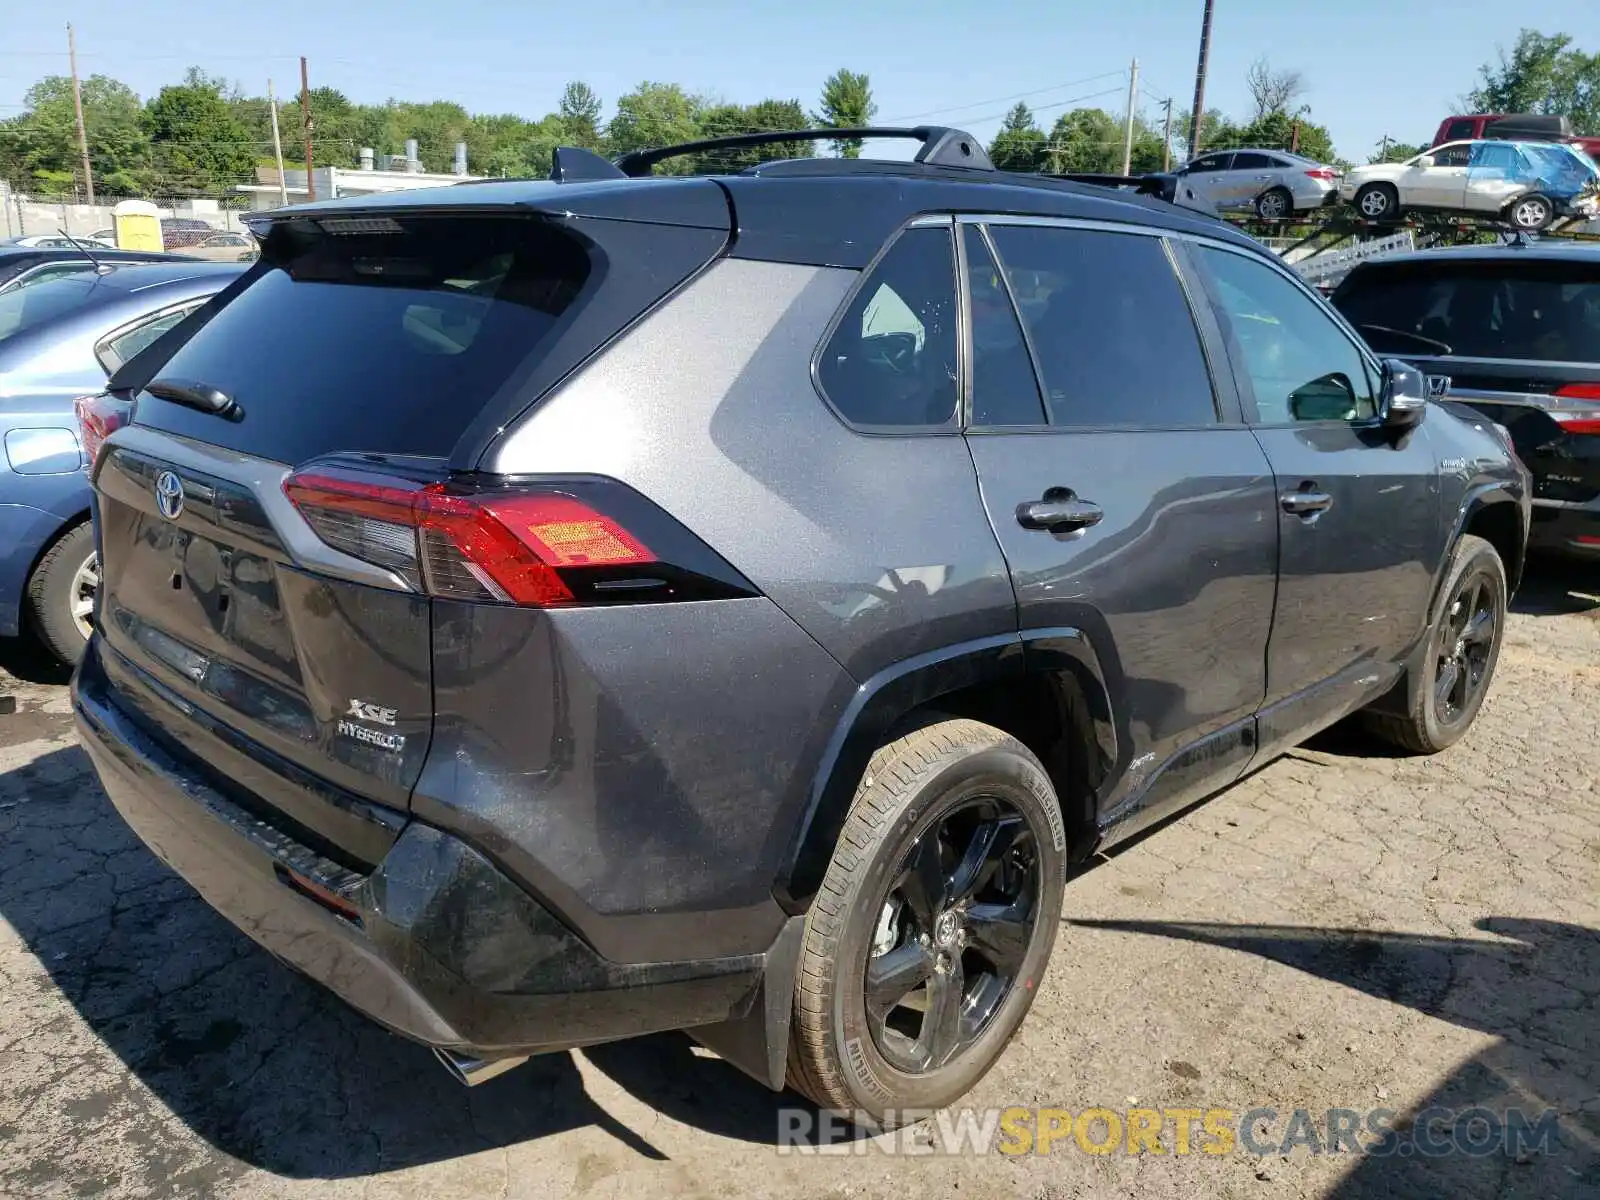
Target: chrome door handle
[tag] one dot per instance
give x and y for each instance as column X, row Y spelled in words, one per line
column 1059, row 512
column 1305, row 503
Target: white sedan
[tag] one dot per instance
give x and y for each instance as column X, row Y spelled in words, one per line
column 1527, row 184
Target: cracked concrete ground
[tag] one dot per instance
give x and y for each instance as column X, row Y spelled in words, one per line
column 1342, row 930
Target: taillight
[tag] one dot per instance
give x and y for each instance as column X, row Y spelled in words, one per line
column 1581, row 421
column 1326, row 174
column 98, row 418
column 542, row 545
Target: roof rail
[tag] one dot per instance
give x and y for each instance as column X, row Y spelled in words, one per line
column 1162, row 184
column 941, row 147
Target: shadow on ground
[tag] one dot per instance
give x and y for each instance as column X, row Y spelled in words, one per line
column 1532, row 984
column 264, row 1065
column 26, row 658
column 1555, row 587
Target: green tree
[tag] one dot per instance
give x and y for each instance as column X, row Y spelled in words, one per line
column 1217, row 132
column 580, row 115
column 766, row 116
column 847, row 103
column 1393, row 152
column 197, row 144
column 39, row 150
column 655, row 114
column 437, row 126
column 1544, row 73
column 1283, row 131
column 1085, row 141
column 1019, row 146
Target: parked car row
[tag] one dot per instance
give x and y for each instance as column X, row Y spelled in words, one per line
column 1528, row 184
column 177, row 234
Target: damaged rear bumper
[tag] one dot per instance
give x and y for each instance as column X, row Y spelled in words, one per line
column 435, row 942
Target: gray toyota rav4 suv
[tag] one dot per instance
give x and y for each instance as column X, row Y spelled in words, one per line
column 547, row 612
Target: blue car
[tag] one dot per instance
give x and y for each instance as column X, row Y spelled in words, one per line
column 60, row 339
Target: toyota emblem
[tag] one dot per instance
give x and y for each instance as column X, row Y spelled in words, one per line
column 169, row 495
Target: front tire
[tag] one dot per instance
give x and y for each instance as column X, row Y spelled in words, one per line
column 927, row 940
column 61, row 593
column 1463, row 647
column 1378, row 202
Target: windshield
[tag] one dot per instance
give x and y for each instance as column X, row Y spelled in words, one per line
column 1543, row 311
column 24, row 308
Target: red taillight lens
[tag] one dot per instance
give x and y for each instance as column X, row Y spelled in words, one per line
column 1579, row 424
column 504, row 546
column 1327, row 174
column 98, row 418
column 1579, row 391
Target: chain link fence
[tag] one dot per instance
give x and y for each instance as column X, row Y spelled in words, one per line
column 27, row 214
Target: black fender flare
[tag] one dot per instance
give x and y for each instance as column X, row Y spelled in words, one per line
column 1479, row 496
column 883, row 701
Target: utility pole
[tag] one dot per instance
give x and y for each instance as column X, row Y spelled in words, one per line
column 1199, row 113
column 277, row 146
column 1133, row 103
column 1383, row 150
column 77, row 103
column 1166, row 140
column 305, row 124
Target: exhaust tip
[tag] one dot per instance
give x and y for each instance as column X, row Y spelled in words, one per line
column 473, row 1071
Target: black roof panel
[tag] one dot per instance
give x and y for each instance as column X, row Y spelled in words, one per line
column 828, row 212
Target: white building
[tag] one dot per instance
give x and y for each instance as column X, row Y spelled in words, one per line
column 402, row 172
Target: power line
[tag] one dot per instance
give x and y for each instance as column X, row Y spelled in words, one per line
column 939, row 112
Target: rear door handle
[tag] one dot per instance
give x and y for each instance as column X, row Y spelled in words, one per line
column 1306, row 502
column 1059, row 512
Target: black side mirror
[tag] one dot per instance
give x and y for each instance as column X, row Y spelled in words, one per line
column 1405, row 395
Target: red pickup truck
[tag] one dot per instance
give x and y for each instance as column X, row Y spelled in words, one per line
column 1522, row 127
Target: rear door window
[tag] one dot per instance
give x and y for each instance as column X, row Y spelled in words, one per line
column 1529, row 310
column 1005, row 390
column 1110, row 325
column 389, row 335
column 114, row 351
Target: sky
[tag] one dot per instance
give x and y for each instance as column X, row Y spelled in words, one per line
column 1373, row 67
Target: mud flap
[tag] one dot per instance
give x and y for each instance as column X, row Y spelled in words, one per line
column 758, row 1042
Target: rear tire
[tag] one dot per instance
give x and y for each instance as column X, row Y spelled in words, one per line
column 1458, row 664
column 1378, row 202
column 1276, row 204
column 60, row 586
column 1531, row 213
column 895, row 903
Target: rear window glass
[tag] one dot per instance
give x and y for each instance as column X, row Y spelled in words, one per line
column 1547, row 312
column 23, row 308
column 389, row 341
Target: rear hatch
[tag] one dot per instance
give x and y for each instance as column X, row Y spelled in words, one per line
column 1519, row 338
column 287, row 649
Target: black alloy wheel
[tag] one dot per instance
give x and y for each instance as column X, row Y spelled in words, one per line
column 1465, row 648
column 953, row 933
